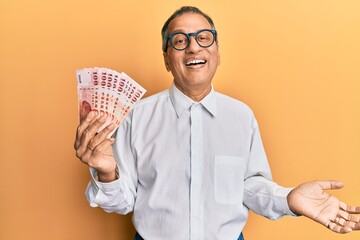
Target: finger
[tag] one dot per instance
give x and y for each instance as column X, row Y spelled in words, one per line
column 344, row 214
column 351, row 225
column 356, row 227
column 344, row 230
column 101, row 136
column 88, row 134
column 349, row 209
column 331, row 184
column 341, row 221
column 349, row 217
column 101, row 149
column 82, row 126
column 354, row 218
column 94, row 127
column 343, row 206
column 352, row 209
column 84, row 156
column 104, row 145
column 338, row 228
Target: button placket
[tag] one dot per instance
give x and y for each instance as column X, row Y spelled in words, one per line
column 195, row 184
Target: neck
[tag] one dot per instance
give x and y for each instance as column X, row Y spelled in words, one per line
column 195, row 93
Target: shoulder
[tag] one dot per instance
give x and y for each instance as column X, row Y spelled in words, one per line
column 153, row 99
column 231, row 104
column 146, row 106
column 236, row 110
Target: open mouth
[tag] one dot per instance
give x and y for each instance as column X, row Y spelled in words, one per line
column 195, row 62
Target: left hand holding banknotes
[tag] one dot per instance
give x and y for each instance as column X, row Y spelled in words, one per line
column 105, row 97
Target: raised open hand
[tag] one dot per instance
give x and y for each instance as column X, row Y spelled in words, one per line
column 310, row 200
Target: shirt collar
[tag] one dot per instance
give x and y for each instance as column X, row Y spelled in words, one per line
column 181, row 102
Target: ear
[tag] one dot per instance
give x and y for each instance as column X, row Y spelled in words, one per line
column 166, row 61
column 218, row 54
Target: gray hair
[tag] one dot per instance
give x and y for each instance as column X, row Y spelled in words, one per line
column 179, row 12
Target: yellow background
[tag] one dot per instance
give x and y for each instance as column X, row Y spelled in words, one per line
column 295, row 63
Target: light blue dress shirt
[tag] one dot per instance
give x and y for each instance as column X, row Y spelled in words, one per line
column 190, row 170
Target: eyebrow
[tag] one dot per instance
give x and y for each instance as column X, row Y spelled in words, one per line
column 178, row 30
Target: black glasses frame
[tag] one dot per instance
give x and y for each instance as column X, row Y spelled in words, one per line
column 188, row 35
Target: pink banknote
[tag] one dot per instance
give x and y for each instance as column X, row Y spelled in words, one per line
column 107, row 92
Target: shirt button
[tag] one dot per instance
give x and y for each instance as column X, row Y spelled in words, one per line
column 196, row 218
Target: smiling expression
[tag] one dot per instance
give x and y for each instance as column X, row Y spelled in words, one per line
column 194, row 67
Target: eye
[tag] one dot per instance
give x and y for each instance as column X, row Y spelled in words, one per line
column 203, row 37
column 179, row 39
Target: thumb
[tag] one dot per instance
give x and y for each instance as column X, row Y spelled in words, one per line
column 331, row 184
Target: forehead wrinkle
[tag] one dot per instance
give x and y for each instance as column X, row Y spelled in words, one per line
column 178, row 30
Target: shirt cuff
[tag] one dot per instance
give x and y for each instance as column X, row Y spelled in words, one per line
column 280, row 200
column 108, row 186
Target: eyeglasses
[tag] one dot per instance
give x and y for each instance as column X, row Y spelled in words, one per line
column 180, row 41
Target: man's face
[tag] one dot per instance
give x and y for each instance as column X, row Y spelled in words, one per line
column 189, row 75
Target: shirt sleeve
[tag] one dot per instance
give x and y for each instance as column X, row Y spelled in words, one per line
column 117, row 196
column 261, row 194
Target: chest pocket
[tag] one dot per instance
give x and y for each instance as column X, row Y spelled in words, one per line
column 229, row 179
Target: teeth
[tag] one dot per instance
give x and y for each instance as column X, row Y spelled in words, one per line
column 195, row 61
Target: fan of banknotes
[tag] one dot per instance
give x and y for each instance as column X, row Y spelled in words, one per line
column 107, row 92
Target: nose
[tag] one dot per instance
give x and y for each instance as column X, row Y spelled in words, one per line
column 193, row 46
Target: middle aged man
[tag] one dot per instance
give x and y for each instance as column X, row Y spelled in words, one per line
column 190, row 162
